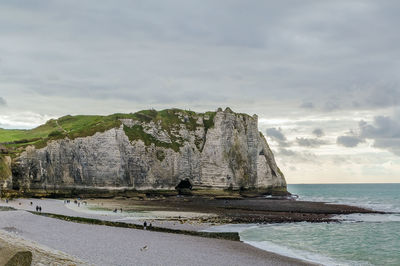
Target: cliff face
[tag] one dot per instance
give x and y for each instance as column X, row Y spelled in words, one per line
column 213, row 150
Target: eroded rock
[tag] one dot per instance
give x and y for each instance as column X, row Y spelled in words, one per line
column 220, row 150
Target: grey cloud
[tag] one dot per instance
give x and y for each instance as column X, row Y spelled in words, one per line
column 296, row 157
column 276, row 134
column 383, row 96
column 203, row 50
column 286, row 152
column 382, row 127
column 349, row 141
column 318, row 132
column 385, row 131
column 340, row 160
column 331, row 106
column 308, row 142
column 3, row 102
column 307, row 105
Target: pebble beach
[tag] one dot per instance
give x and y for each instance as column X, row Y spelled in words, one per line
column 104, row 245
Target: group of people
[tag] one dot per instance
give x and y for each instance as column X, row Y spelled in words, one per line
column 145, row 225
column 116, row 210
column 76, row 202
column 38, row 208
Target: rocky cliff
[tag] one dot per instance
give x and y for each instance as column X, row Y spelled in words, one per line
column 150, row 150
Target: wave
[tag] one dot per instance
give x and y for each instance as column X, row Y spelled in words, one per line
column 371, row 218
column 371, row 204
column 301, row 254
column 278, row 249
column 230, row 228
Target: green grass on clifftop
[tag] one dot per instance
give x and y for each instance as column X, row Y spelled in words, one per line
column 71, row 127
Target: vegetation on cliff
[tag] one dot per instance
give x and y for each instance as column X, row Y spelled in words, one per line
column 4, row 169
column 229, row 160
column 136, row 132
column 72, row 127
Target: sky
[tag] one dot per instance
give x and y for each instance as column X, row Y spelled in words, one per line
column 322, row 76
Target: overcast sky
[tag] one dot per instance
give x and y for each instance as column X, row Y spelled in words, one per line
column 323, row 76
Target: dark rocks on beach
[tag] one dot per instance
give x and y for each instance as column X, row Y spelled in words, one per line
column 22, row 258
column 253, row 210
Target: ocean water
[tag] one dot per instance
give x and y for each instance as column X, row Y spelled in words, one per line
column 360, row 239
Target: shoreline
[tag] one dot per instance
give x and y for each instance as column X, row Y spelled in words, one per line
column 186, row 249
column 274, row 208
column 232, row 211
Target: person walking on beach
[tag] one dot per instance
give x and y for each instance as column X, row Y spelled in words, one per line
column 144, row 225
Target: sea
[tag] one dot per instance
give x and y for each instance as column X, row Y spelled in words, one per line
column 359, row 239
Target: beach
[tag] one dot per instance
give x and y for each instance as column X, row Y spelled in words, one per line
column 11, row 244
column 110, row 245
column 104, row 245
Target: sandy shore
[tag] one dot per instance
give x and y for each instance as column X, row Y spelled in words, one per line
column 101, row 245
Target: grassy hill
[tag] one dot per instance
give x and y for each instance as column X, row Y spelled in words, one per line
column 15, row 140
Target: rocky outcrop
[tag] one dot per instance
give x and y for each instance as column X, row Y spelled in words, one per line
column 17, row 251
column 222, row 150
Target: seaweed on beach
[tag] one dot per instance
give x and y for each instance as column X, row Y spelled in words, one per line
column 4, row 208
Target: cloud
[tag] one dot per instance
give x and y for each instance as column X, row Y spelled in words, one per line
column 286, row 152
column 318, row 132
column 383, row 95
column 203, row 53
column 3, row 102
column 302, row 64
column 292, row 156
column 276, row 134
column 385, row 131
column 331, row 106
column 307, row 105
column 22, row 120
column 349, row 141
column 308, row 142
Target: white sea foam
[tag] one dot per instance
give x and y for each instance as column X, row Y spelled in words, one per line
column 278, row 249
column 364, row 238
column 230, row 228
column 372, row 218
column 357, row 202
column 300, row 254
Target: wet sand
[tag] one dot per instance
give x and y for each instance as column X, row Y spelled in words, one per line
column 251, row 210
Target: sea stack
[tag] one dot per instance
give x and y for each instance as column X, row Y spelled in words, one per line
column 147, row 150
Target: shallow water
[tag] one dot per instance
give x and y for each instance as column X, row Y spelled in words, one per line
column 361, row 239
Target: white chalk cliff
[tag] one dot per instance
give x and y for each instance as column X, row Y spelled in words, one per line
column 218, row 150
